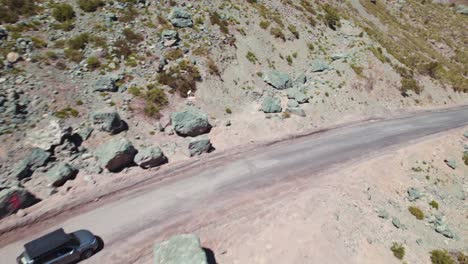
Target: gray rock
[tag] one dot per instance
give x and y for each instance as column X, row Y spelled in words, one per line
column 444, row 230
column 25, row 168
column 396, row 222
column 462, row 9
column 85, row 132
column 452, row 163
column 319, row 66
column 60, row 173
column 199, row 145
column 180, row 17
column 338, row 56
column 382, row 213
column 169, row 34
column 271, row 105
column 190, row 122
column 278, row 80
column 298, row 95
column 3, row 34
column 180, row 249
column 301, row 79
column 150, row 157
column 296, row 111
column 419, row 241
column 108, row 121
column 14, row 198
column 293, row 103
column 465, row 134
column 49, row 136
column 414, row 194
column 106, row 84
column 116, row 154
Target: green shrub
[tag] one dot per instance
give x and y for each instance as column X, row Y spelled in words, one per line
column 441, row 257
column 289, row 59
column 174, row 54
column 228, row 110
column 66, row 113
column 416, row 212
column 78, row 42
column 332, row 18
column 12, row 10
column 465, row 157
column 294, row 31
column 277, row 33
column 135, row 90
column 93, row 63
column 264, row 24
column 65, row 26
column 73, row 55
column 434, row 204
column 157, row 97
column 409, row 84
column 213, row 69
column 181, row 78
column 132, row 37
column 251, row 57
column 358, row 70
column 398, row 250
column 63, row 12
column 38, row 42
column 215, row 19
column 122, row 48
column 90, row 5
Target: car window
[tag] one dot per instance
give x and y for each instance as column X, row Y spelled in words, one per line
column 64, row 251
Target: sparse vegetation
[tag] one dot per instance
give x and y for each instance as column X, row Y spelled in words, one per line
column 277, row 33
column 12, row 10
column 216, row 19
column 332, row 18
column 63, row 12
column 416, row 212
column 181, row 78
column 358, row 70
column 131, row 36
column 264, row 24
column 398, row 250
column 294, row 31
column 93, row 63
column 465, row 157
column 228, row 110
column 213, row 69
column 66, row 113
column 174, row 54
column 409, row 84
column 90, row 5
column 78, row 42
column 434, row 204
column 251, row 57
column 441, row 257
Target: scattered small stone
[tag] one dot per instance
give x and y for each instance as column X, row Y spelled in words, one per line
column 13, row 57
column 382, row 213
column 452, row 163
column 396, row 222
column 414, row 194
column 180, row 17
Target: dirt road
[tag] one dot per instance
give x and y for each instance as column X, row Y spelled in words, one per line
column 130, row 225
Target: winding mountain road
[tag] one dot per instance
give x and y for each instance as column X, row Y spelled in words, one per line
column 143, row 215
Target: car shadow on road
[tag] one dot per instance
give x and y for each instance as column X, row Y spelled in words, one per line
column 210, row 256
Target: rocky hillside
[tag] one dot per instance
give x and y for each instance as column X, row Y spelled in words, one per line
column 91, row 87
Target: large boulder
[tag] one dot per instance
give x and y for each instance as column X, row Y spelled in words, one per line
column 298, row 95
column 150, row 157
column 180, row 249
column 271, row 105
column 60, row 173
column 49, row 136
column 199, row 145
column 319, row 66
column 180, row 17
column 190, row 122
column 108, row 121
column 35, row 159
column 278, row 80
column 14, row 198
column 116, row 154
column 106, row 84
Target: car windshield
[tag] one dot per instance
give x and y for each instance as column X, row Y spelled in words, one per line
column 74, row 240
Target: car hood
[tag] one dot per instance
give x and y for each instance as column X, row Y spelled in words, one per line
column 84, row 237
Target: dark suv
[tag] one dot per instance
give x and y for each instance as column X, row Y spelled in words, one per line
column 59, row 247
